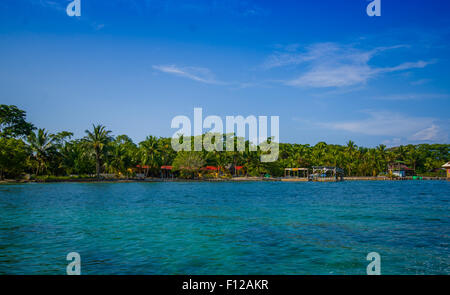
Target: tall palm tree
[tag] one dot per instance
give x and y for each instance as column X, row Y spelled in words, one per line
column 166, row 153
column 116, row 161
column 412, row 156
column 319, row 152
column 149, row 153
column 96, row 142
column 381, row 155
column 335, row 157
column 41, row 144
column 121, row 155
column 350, row 153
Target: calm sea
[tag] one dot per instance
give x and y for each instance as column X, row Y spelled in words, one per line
column 226, row 228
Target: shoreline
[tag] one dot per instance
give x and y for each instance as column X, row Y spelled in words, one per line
column 236, row 179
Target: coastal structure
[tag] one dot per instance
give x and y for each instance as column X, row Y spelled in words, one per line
column 327, row 173
column 399, row 169
column 211, row 170
column 167, row 172
column 142, row 171
column 296, row 174
column 447, row 167
column 237, row 170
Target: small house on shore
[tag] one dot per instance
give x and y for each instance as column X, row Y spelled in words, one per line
column 399, row 169
column 167, row 172
column 446, row 166
column 326, row 173
column 296, row 174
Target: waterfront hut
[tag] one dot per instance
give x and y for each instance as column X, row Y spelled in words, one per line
column 142, row 171
column 327, row 173
column 296, row 174
column 236, row 170
column 167, row 172
column 211, row 170
column 447, row 167
column 399, row 169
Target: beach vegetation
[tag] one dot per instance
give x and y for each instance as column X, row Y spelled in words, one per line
column 47, row 156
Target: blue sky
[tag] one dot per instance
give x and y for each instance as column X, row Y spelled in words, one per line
column 329, row 71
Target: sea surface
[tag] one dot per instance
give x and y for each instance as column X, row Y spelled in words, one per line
column 226, row 228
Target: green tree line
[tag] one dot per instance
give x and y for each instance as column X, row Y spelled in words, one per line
column 25, row 149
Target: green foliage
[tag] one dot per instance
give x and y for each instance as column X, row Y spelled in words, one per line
column 42, row 145
column 122, row 155
column 75, row 160
column 189, row 163
column 12, row 122
column 13, row 157
column 97, row 143
column 57, row 155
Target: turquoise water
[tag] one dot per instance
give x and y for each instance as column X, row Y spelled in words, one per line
column 226, row 228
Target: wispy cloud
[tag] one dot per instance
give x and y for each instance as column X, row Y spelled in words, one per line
column 319, row 53
column 329, row 76
column 334, row 65
column 428, row 134
column 420, row 82
column 202, row 75
column 395, row 125
column 404, row 66
column 50, row 4
column 413, row 96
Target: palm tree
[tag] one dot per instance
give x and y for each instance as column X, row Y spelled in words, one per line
column 222, row 159
column 122, row 154
column 254, row 164
column 41, row 144
column 350, row 150
column 149, row 153
column 166, row 153
column 96, row 143
column 381, row 156
column 189, row 161
column 116, row 161
column 319, row 152
column 412, row 156
column 336, row 157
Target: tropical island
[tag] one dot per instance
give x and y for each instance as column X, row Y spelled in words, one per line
column 28, row 153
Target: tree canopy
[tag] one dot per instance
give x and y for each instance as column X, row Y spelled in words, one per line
column 44, row 153
column 13, row 123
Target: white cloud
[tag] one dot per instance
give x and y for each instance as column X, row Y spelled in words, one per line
column 314, row 52
column 413, row 96
column 420, row 82
column 382, row 123
column 395, row 125
column 427, row 134
column 324, row 76
column 50, row 4
column 333, row 65
column 393, row 142
column 202, row 75
column 404, row 66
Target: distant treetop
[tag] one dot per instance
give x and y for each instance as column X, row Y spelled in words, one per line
column 13, row 123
